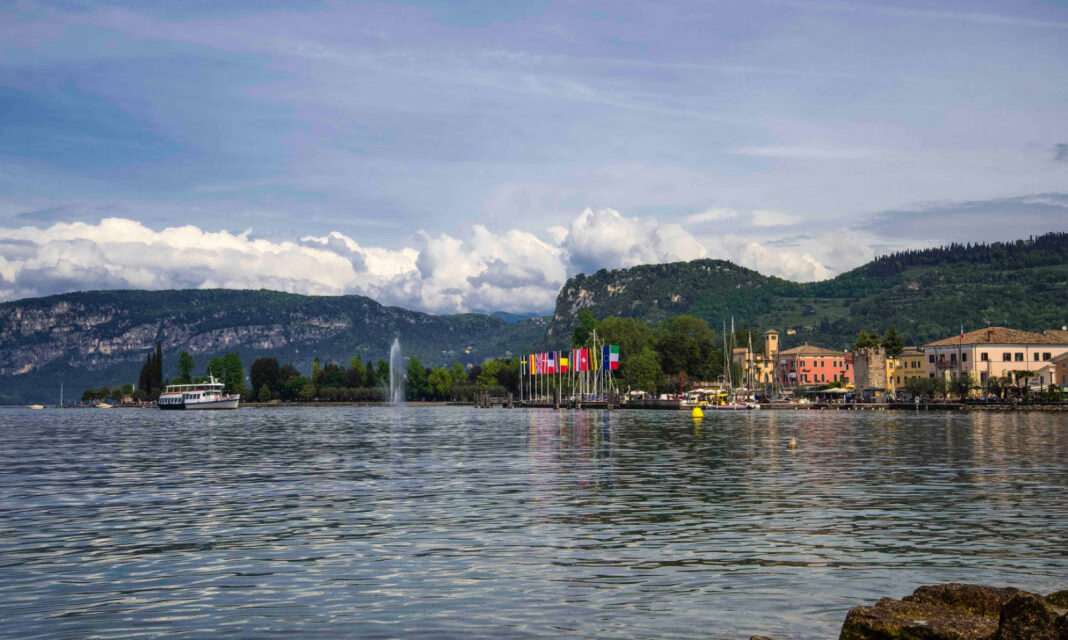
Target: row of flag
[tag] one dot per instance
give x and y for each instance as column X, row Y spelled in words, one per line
column 584, row 359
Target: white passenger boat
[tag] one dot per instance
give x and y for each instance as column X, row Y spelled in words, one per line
column 199, row 395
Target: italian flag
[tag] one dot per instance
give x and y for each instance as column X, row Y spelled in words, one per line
column 612, row 356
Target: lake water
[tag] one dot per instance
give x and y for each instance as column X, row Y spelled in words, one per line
column 451, row 522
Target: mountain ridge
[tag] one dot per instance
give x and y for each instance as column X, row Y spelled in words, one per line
column 86, row 339
column 925, row 293
column 101, row 337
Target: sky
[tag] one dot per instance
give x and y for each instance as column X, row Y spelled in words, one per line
column 470, row 156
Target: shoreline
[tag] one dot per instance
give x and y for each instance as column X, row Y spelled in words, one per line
column 892, row 407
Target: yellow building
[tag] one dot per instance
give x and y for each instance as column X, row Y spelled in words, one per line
column 906, row 366
column 760, row 364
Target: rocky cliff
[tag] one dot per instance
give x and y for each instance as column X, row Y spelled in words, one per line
column 92, row 338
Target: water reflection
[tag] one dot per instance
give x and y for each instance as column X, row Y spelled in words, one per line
column 455, row 522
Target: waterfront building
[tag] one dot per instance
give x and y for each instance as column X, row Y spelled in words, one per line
column 1059, row 371
column 760, row 365
column 906, row 366
column 808, row 365
column 995, row 352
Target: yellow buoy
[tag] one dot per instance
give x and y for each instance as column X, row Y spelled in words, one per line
column 793, row 442
column 697, row 414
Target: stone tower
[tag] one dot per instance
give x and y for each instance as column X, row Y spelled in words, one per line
column 869, row 370
column 771, row 344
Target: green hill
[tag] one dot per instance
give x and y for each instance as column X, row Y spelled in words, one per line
column 87, row 339
column 926, row 293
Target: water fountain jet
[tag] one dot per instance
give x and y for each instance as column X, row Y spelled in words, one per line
column 396, row 374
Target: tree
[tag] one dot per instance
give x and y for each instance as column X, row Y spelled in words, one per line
column 331, row 376
column 866, row 341
column 151, row 377
column 293, row 386
column 686, row 344
column 487, row 377
column 307, row 392
column 440, row 383
column 416, row 384
column 586, row 323
column 632, row 335
column 284, row 374
column 369, row 378
column 354, row 375
column 228, row 370
column 643, row 370
column 265, row 371
column 265, row 392
column 185, row 368
column 962, row 385
column 382, row 372
column 892, row 342
column 316, row 369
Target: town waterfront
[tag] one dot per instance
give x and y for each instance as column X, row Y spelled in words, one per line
column 456, row 522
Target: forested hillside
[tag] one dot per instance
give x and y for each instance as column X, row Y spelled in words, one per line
column 926, row 294
column 91, row 338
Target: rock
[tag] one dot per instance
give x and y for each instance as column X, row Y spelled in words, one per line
column 911, row 620
column 1026, row 617
column 1061, row 627
column 1058, row 599
column 975, row 599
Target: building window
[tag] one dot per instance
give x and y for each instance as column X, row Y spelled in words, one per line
column 1019, row 356
column 930, row 358
column 1047, row 356
column 1036, row 356
column 1006, row 357
column 983, row 357
column 964, row 357
column 802, row 363
column 931, row 375
column 953, row 358
column 804, row 377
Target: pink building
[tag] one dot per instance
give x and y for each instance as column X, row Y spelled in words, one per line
column 807, row 365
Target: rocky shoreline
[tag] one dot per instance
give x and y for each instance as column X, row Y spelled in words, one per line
column 960, row 612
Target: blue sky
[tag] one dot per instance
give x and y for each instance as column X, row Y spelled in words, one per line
column 472, row 155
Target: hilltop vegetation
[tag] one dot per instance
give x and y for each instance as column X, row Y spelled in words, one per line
column 926, row 294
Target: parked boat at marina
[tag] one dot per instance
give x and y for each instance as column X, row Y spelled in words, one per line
column 198, row 396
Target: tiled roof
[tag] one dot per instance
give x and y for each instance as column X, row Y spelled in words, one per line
column 809, row 350
column 1060, row 335
column 1000, row 335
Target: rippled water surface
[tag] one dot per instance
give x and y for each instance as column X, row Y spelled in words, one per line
column 455, row 522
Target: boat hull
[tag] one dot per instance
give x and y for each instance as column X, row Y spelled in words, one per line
column 212, row 405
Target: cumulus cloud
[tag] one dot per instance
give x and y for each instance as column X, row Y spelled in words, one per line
column 485, row 270
column 601, row 238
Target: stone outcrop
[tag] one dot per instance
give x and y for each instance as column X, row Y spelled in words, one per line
column 960, row 612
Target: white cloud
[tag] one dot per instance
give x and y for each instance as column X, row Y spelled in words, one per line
column 756, row 218
column 512, row 271
column 603, row 238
